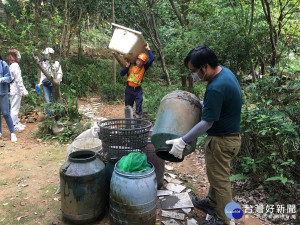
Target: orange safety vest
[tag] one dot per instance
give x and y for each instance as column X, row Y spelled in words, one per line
column 135, row 76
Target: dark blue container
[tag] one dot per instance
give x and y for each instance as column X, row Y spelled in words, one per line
column 37, row 88
column 83, row 192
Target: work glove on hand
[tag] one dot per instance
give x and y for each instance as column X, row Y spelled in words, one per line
column 178, row 147
column 1, row 79
column 202, row 103
column 25, row 93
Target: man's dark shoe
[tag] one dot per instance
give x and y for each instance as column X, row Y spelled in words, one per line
column 214, row 220
column 204, row 205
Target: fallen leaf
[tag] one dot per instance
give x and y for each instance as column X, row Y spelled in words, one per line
column 20, row 217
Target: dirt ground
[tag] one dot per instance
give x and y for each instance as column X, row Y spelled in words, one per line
column 30, row 169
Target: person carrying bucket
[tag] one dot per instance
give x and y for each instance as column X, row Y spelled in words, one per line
column 135, row 72
column 221, row 116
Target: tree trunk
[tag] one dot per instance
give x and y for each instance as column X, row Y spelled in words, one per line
column 120, row 59
column 183, row 81
column 2, row 12
column 66, row 31
column 181, row 21
column 56, row 86
column 75, row 26
column 87, row 25
column 114, row 75
column 184, row 9
column 36, row 29
column 164, row 67
column 155, row 39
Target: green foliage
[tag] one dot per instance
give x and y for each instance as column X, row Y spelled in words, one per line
column 65, row 116
column 30, row 103
column 271, row 143
column 85, row 76
column 239, row 176
column 153, row 93
column 112, row 94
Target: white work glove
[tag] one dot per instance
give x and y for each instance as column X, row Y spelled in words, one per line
column 1, row 78
column 178, row 147
column 202, row 103
column 25, row 93
column 95, row 130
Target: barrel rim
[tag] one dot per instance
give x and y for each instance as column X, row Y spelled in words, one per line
column 176, row 94
column 104, row 124
column 82, row 160
column 134, row 175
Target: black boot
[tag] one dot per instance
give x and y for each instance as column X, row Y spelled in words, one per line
column 214, row 220
column 204, row 205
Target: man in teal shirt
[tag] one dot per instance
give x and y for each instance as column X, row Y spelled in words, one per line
column 221, row 115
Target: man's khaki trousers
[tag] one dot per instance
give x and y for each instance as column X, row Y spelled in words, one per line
column 219, row 152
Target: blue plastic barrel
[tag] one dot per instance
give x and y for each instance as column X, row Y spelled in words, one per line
column 133, row 197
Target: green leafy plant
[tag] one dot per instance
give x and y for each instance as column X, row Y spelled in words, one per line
column 238, row 176
column 111, row 94
column 270, row 142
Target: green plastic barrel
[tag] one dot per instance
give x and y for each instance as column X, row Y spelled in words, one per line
column 83, row 193
column 179, row 111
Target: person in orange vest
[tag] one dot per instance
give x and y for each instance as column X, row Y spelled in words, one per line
column 135, row 73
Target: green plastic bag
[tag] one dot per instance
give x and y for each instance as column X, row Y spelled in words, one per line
column 134, row 162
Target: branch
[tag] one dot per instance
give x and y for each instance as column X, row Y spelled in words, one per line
column 177, row 13
column 236, row 16
column 267, row 12
column 119, row 58
column 40, row 66
column 252, row 15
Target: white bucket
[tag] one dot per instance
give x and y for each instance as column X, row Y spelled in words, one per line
column 127, row 42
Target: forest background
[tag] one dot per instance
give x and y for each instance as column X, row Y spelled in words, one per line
column 257, row 40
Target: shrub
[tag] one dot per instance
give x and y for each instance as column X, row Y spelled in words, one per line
column 111, row 94
column 271, row 143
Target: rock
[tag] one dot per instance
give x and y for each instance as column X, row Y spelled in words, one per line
column 170, row 222
column 58, row 128
column 41, row 117
column 172, row 214
column 192, row 222
column 30, row 120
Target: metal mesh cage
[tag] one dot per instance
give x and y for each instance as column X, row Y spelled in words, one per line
column 122, row 136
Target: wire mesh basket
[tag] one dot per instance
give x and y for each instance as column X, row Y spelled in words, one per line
column 122, row 136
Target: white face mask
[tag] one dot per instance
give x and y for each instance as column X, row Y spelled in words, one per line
column 196, row 78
